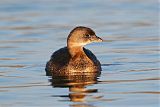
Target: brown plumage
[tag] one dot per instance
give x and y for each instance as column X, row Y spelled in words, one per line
column 75, row 58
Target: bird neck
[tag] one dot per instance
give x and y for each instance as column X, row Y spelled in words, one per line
column 75, row 49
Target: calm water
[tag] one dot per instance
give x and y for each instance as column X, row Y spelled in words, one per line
column 30, row 30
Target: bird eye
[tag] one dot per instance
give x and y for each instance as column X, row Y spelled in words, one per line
column 87, row 36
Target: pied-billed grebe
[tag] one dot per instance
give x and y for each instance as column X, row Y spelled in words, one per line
column 75, row 58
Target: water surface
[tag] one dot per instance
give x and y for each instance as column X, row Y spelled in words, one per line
column 31, row 30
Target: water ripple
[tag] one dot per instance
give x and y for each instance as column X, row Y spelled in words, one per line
column 13, row 66
column 124, row 81
column 23, row 86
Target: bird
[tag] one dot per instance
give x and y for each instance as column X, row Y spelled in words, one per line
column 75, row 58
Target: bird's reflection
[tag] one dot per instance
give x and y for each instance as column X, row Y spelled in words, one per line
column 77, row 84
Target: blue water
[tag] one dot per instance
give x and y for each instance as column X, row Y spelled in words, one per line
column 31, row 30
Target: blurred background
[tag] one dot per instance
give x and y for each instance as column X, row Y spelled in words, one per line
column 31, row 30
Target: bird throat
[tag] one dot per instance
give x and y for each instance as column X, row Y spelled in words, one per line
column 75, row 49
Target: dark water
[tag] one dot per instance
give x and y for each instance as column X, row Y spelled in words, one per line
column 30, row 30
